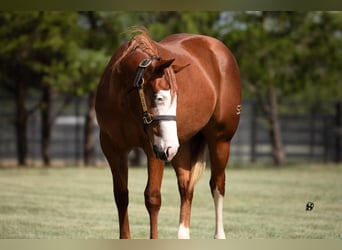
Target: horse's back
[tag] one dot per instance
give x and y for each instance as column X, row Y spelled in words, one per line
column 214, row 60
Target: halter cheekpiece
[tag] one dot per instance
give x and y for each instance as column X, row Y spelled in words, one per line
column 138, row 83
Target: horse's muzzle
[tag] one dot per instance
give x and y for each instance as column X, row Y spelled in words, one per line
column 160, row 154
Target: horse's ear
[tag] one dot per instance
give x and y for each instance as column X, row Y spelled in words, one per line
column 160, row 65
column 177, row 68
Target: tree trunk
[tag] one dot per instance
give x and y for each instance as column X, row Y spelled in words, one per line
column 338, row 133
column 89, row 126
column 21, row 124
column 274, row 129
column 45, row 111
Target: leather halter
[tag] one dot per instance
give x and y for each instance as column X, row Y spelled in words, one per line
column 138, row 83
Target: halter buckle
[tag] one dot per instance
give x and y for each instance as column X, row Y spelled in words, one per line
column 146, row 62
column 147, row 118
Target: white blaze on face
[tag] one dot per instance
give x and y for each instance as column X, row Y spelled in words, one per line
column 168, row 140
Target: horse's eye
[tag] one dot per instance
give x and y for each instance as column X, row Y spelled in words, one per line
column 158, row 98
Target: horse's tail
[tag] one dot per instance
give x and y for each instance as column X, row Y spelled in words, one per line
column 198, row 162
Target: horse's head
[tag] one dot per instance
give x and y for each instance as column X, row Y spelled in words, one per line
column 156, row 83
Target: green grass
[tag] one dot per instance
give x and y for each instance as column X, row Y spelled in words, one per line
column 262, row 203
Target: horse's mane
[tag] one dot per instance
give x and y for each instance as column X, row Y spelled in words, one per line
column 140, row 40
column 143, row 41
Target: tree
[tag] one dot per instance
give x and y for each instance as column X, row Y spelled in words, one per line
column 262, row 54
column 16, row 69
column 319, row 55
column 37, row 49
column 162, row 24
column 57, row 44
column 284, row 54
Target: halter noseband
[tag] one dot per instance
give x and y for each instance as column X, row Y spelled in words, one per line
column 138, row 83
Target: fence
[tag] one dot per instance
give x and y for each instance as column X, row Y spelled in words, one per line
column 307, row 137
column 66, row 146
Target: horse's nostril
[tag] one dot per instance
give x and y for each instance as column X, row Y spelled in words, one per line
column 160, row 154
column 163, row 156
column 167, row 152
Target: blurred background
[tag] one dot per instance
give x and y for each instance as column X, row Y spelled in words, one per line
column 51, row 63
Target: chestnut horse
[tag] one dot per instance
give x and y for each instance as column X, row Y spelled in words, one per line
column 172, row 99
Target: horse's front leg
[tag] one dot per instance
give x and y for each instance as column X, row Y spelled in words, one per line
column 117, row 160
column 152, row 193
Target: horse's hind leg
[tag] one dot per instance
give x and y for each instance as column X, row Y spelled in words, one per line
column 182, row 166
column 189, row 165
column 119, row 167
column 219, row 154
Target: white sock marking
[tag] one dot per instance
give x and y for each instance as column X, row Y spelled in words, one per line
column 183, row 232
column 218, row 200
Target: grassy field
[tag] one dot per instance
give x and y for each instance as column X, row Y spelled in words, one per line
column 77, row 203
